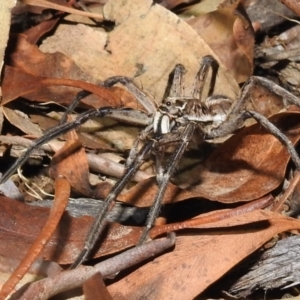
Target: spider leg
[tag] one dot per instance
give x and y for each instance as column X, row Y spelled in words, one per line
column 240, row 113
column 73, row 105
column 100, row 220
column 176, row 86
column 270, row 85
column 166, row 175
column 207, row 62
column 145, row 100
column 126, row 115
column 237, row 115
column 262, row 120
column 127, row 82
column 134, row 149
column 235, row 122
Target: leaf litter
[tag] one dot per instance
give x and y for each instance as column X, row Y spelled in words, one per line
column 70, row 61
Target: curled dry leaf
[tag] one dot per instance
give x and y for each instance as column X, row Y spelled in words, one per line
column 17, row 83
column 35, row 33
column 212, row 217
column 65, row 8
column 200, row 259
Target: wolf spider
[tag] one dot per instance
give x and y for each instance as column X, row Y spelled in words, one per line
column 174, row 122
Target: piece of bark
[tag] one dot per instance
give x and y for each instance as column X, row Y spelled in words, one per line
column 89, row 207
column 278, row 267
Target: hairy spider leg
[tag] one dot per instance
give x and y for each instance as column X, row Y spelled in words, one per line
column 99, row 222
column 239, row 114
column 208, row 62
column 165, row 178
column 262, row 120
column 117, row 114
column 72, row 106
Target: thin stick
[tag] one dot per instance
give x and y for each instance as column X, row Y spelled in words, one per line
column 66, row 280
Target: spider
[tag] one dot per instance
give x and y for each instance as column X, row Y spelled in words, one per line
column 173, row 122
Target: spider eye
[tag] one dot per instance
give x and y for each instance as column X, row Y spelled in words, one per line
column 168, row 103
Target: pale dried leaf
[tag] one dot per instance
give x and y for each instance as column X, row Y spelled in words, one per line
column 146, row 44
column 21, row 121
column 5, row 7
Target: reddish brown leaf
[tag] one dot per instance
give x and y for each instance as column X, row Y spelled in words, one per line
column 62, row 194
column 198, row 260
column 17, row 83
column 265, row 102
column 143, row 193
column 95, row 289
column 34, row 33
column 71, row 162
column 243, row 34
column 32, row 78
column 20, row 224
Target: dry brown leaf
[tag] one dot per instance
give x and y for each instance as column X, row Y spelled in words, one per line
column 20, row 224
column 200, row 259
column 143, row 193
column 265, row 102
column 49, row 4
column 95, row 289
column 146, row 44
column 225, row 27
column 49, row 77
column 62, row 194
column 21, row 121
column 71, row 162
column 62, row 281
column 34, row 33
column 212, row 217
